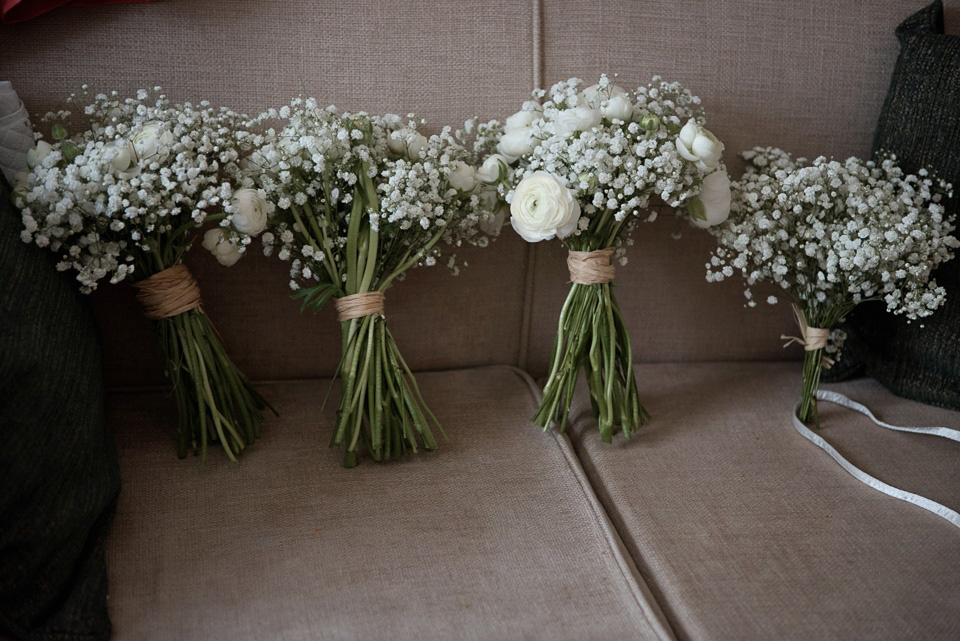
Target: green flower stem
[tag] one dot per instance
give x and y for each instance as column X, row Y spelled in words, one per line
column 812, row 366
column 825, row 317
column 591, row 334
column 380, row 402
column 215, row 401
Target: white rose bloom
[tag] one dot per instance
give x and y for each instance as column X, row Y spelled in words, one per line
column 36, row 155
column 698, row 145
column 493, row 169
column 517, row 143
column 543, row 207
column 619, row 107
column 250, row 216
column 521, row 119
column 593, row 96
column 151, row 145
column 226, row 253
column 712, row 206
column 463, row 177
column 570, row 121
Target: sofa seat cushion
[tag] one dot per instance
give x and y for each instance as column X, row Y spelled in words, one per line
column 743, row 529
column 496, row 535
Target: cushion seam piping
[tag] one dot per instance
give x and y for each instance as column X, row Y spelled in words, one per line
column 629, row 572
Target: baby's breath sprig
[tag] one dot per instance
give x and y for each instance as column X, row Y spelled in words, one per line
column 832, row 235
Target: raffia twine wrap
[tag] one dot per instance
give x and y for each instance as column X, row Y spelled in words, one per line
column 591, row 268
column 168, row 293
column 359, row 305
column 812, row 338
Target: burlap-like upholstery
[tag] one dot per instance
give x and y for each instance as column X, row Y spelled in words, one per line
column 496, row 535
column 743, row 529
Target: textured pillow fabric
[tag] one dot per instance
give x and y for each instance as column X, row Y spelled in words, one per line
column 59, row 477
column 920, row 123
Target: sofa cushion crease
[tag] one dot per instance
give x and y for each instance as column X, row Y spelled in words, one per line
column 628, row 569
column 744, row 529
column 495, row 535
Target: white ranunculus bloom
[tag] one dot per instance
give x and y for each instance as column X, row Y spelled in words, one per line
column 712, row 206
column 123, row 156
column 251, row 212
column 407, row 142
column 698, row 145
column 224, row 251
column 493, row 169
column 395, row 141
column 543, row 207
column 36, row 155
column 491, row 202
column 593, row 96
column 619, row 107
column 416, row 146
column 569, row 121
column 517, row 143
column 523, row 118
column 463, row 177
column 151, row 144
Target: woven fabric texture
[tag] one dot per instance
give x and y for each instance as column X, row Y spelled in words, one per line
column 751, row 61
column 920, row 124
column 446, row 62
column 805, row 76
column 743, row 529
column 58, row 466
column 496, row 535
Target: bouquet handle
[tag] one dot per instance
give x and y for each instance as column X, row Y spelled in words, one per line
column 592, row 335
column 215, row 400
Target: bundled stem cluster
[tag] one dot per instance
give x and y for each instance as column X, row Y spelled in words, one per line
column 826, row 317
column 592, row 334
column 216, row 403
column 215, row 400
column 380, row 402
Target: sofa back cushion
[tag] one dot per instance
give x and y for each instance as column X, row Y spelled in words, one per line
column 752, row 63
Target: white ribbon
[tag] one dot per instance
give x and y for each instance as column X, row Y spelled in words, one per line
column 946, row 432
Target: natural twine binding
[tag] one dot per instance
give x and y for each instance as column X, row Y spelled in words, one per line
column 358, row 305
column 591, row 268
column 168, row 293
column 812, row 338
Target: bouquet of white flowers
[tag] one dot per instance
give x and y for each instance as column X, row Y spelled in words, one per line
column 590, row 162
column 360, row 199
column 124, row 200
column 833, row 235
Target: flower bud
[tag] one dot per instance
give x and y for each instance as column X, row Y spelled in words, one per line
column 69, row 151
column 650, row 122
column 462, row 177
column 589, row 179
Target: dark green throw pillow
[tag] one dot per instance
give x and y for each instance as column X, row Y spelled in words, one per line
column 920, row 124
column 59, row 477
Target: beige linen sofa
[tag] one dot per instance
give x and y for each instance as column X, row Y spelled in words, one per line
column 718, row 521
